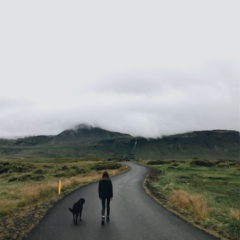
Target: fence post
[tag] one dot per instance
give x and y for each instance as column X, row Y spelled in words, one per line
column 59, row 187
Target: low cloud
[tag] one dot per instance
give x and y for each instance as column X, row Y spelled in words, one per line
column 150, row 73
column 150, row 105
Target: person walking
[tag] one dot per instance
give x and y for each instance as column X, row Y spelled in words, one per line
column 105, row 192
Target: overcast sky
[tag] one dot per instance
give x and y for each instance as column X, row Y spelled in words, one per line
column 147, row 68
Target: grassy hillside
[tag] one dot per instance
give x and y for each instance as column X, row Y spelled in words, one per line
column 211, row 144
column 88, row 141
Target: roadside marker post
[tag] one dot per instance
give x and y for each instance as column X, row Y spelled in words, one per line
column 59, row 187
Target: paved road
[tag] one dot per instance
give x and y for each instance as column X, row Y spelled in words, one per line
column 134, row 215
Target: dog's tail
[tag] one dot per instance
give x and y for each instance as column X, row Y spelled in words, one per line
column 70, row 210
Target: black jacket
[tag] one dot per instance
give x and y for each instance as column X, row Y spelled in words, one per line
column 105, row 189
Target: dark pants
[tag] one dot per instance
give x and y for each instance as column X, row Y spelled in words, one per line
column 104, row 206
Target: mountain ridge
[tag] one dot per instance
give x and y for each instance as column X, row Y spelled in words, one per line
column 86, row 140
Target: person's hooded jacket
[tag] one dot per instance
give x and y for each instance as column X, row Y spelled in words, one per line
column 105, row 189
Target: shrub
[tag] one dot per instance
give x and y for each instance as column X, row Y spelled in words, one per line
column 37, row 178
column 40, row 171
column 3, row 170
column 203, row 163
column 79, row 170
column 20, row 168
column 64, row 168
column 103, row 166
column 22, row 178
column 193, row 205
column 58, row 175
column 25, row 177
column 14, row 179
column 158, row 162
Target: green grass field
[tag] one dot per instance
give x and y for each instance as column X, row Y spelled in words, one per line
column 206, row 192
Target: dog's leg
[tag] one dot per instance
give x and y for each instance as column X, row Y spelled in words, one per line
column 80, row 217
column 74, row 218
column 77, row 218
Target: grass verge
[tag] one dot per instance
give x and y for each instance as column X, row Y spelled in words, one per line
column 204, row 192
column 28, row 188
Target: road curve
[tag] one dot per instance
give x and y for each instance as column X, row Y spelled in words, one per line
column 134, row 215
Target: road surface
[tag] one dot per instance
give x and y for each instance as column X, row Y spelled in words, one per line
column 134, row 215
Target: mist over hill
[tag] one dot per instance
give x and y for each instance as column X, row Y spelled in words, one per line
column 85, row 140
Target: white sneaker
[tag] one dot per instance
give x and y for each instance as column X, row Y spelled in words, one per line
column 103, row 219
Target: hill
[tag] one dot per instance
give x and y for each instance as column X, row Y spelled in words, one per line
column 86, row 140
column 86, row 133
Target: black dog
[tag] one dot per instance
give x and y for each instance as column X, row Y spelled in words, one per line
column 77, row 210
